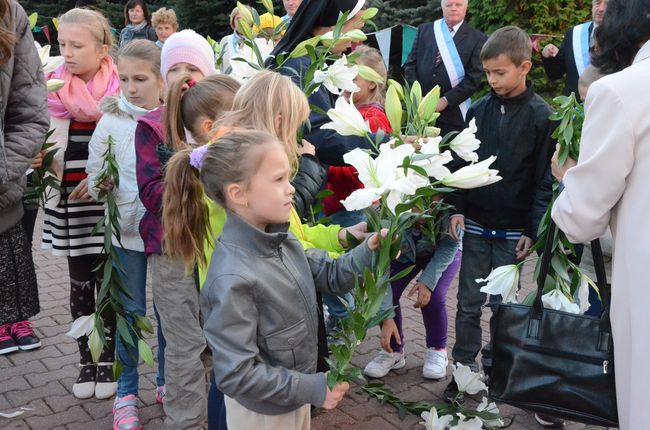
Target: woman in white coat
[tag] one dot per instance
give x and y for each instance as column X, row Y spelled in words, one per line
column 610, row 185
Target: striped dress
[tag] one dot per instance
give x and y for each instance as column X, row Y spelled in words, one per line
column 68, row 227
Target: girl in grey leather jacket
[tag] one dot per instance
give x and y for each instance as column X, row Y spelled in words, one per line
column 259, row 299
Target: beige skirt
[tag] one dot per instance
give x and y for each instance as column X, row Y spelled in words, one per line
column 240, row 418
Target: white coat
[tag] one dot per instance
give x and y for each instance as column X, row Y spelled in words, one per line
column 611, row 186
column 119, row 121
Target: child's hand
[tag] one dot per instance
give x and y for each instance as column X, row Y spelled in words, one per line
column 373, row 242
column 424, row 294
column 335, row 395
column 359, row 231
column 80, row 192
column 455, row 222
column 523, row 247
column 37, row 162
column 306, row 148
column 389, row 331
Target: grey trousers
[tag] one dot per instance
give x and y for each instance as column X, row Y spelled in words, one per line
column 177, row 301
column 480, row 256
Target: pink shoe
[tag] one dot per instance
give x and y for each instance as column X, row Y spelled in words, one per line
column 7, row 342
column 24, row 336
column 160, row 394
column 125, row 413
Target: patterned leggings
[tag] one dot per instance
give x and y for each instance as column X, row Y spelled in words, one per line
column 84, row 284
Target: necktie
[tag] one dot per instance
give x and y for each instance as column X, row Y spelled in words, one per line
column 438, row 57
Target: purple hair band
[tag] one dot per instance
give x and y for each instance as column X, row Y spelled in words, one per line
column 197, row 155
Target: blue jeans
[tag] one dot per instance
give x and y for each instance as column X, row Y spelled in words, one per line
column 344, row 219
column 216, row 408
column 135, row 280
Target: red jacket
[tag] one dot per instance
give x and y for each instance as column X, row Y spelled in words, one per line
column 344, row 180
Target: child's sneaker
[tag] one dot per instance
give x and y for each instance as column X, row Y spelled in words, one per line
column 24, row 336
column 435, row 364
column 106, row 385
column 160, row 394
column 383, row 363
column 125, row 413
column 7, row 342
column 84, row 386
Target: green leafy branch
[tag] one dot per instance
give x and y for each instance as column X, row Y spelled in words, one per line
column 44, row 179
column 110, row 304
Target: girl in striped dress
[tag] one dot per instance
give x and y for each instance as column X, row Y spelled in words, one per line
column 71, row 213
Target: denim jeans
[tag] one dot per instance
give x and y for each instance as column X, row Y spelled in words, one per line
column 135, row 279
column 480, row 256
column 216, row 408
column 344, row 219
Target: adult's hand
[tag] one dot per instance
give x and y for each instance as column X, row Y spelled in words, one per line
column 557, row 170
column 550, row 51
column 442, row 104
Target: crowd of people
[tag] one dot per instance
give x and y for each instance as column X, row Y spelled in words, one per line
column 215, row 191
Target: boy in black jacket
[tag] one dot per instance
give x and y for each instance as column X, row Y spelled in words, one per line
column 513, row 124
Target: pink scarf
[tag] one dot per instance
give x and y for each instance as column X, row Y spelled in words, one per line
column 78, row 100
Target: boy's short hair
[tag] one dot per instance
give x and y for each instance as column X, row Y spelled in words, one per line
column 164, row 16
column 510, row 41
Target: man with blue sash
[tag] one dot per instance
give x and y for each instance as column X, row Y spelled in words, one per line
column 574, row 55
column 446, row 53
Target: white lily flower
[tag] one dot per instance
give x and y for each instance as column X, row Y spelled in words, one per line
column 465, row 424
column 465, row 143
column 435, row 164
column 382, row 174
column 49, row 64
column 557, row 300
column 338, row 77
column 346, row 119
column 242, row 70
column 468, row 381
column 54, row 84
column 473, row 176
column 582, row 293
column 350, row 36
column 82, row 326
column 492, row 408
column 503, row 281
column 433, row 422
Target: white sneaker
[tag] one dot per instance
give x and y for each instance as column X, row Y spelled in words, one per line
column 435, row 364
column 383, row 363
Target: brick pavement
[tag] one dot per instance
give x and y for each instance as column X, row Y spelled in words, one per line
column 42, row 379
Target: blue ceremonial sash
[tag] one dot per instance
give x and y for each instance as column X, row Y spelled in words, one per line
column 451, row 59
column 581, row 46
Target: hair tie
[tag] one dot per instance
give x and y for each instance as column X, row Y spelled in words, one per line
column 191, row 82
column 197, row 155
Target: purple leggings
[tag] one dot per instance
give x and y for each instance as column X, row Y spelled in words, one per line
column 434, row 314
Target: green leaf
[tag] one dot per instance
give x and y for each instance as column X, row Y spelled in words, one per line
column 124, row 332
column 95, row 344
column 117, row 369
column 331, row 379
column 144, row 324
column 145, row 352
column 32, row 20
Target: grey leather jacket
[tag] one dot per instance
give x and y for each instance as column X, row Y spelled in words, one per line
column 259, row 303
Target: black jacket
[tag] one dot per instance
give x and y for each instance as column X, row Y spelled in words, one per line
column 518, row 131
column 309, row 180
column 330, row 146
column 420, row 66
column 564, row 63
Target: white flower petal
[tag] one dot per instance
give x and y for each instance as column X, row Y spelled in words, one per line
column 556, row 299
column 503, row 281
column 468, row 381
column 82, row 326
column 360, row 199
column 473, row 176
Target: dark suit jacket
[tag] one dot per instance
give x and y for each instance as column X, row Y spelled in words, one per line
column 564, row 63
column 420, row 66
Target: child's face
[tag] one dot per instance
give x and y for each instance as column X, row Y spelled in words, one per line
column 366, row 90
column 181, row 68
column 269, row 193
column 138, row 82
column 505, row 78
column 80, row 50
column 136, row 15
column 164, row 30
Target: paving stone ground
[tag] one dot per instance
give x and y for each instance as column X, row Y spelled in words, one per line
column 42, row 379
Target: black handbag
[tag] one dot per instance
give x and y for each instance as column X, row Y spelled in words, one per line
column 555, row 362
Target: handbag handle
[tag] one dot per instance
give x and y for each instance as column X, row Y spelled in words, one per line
column 599, row 266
